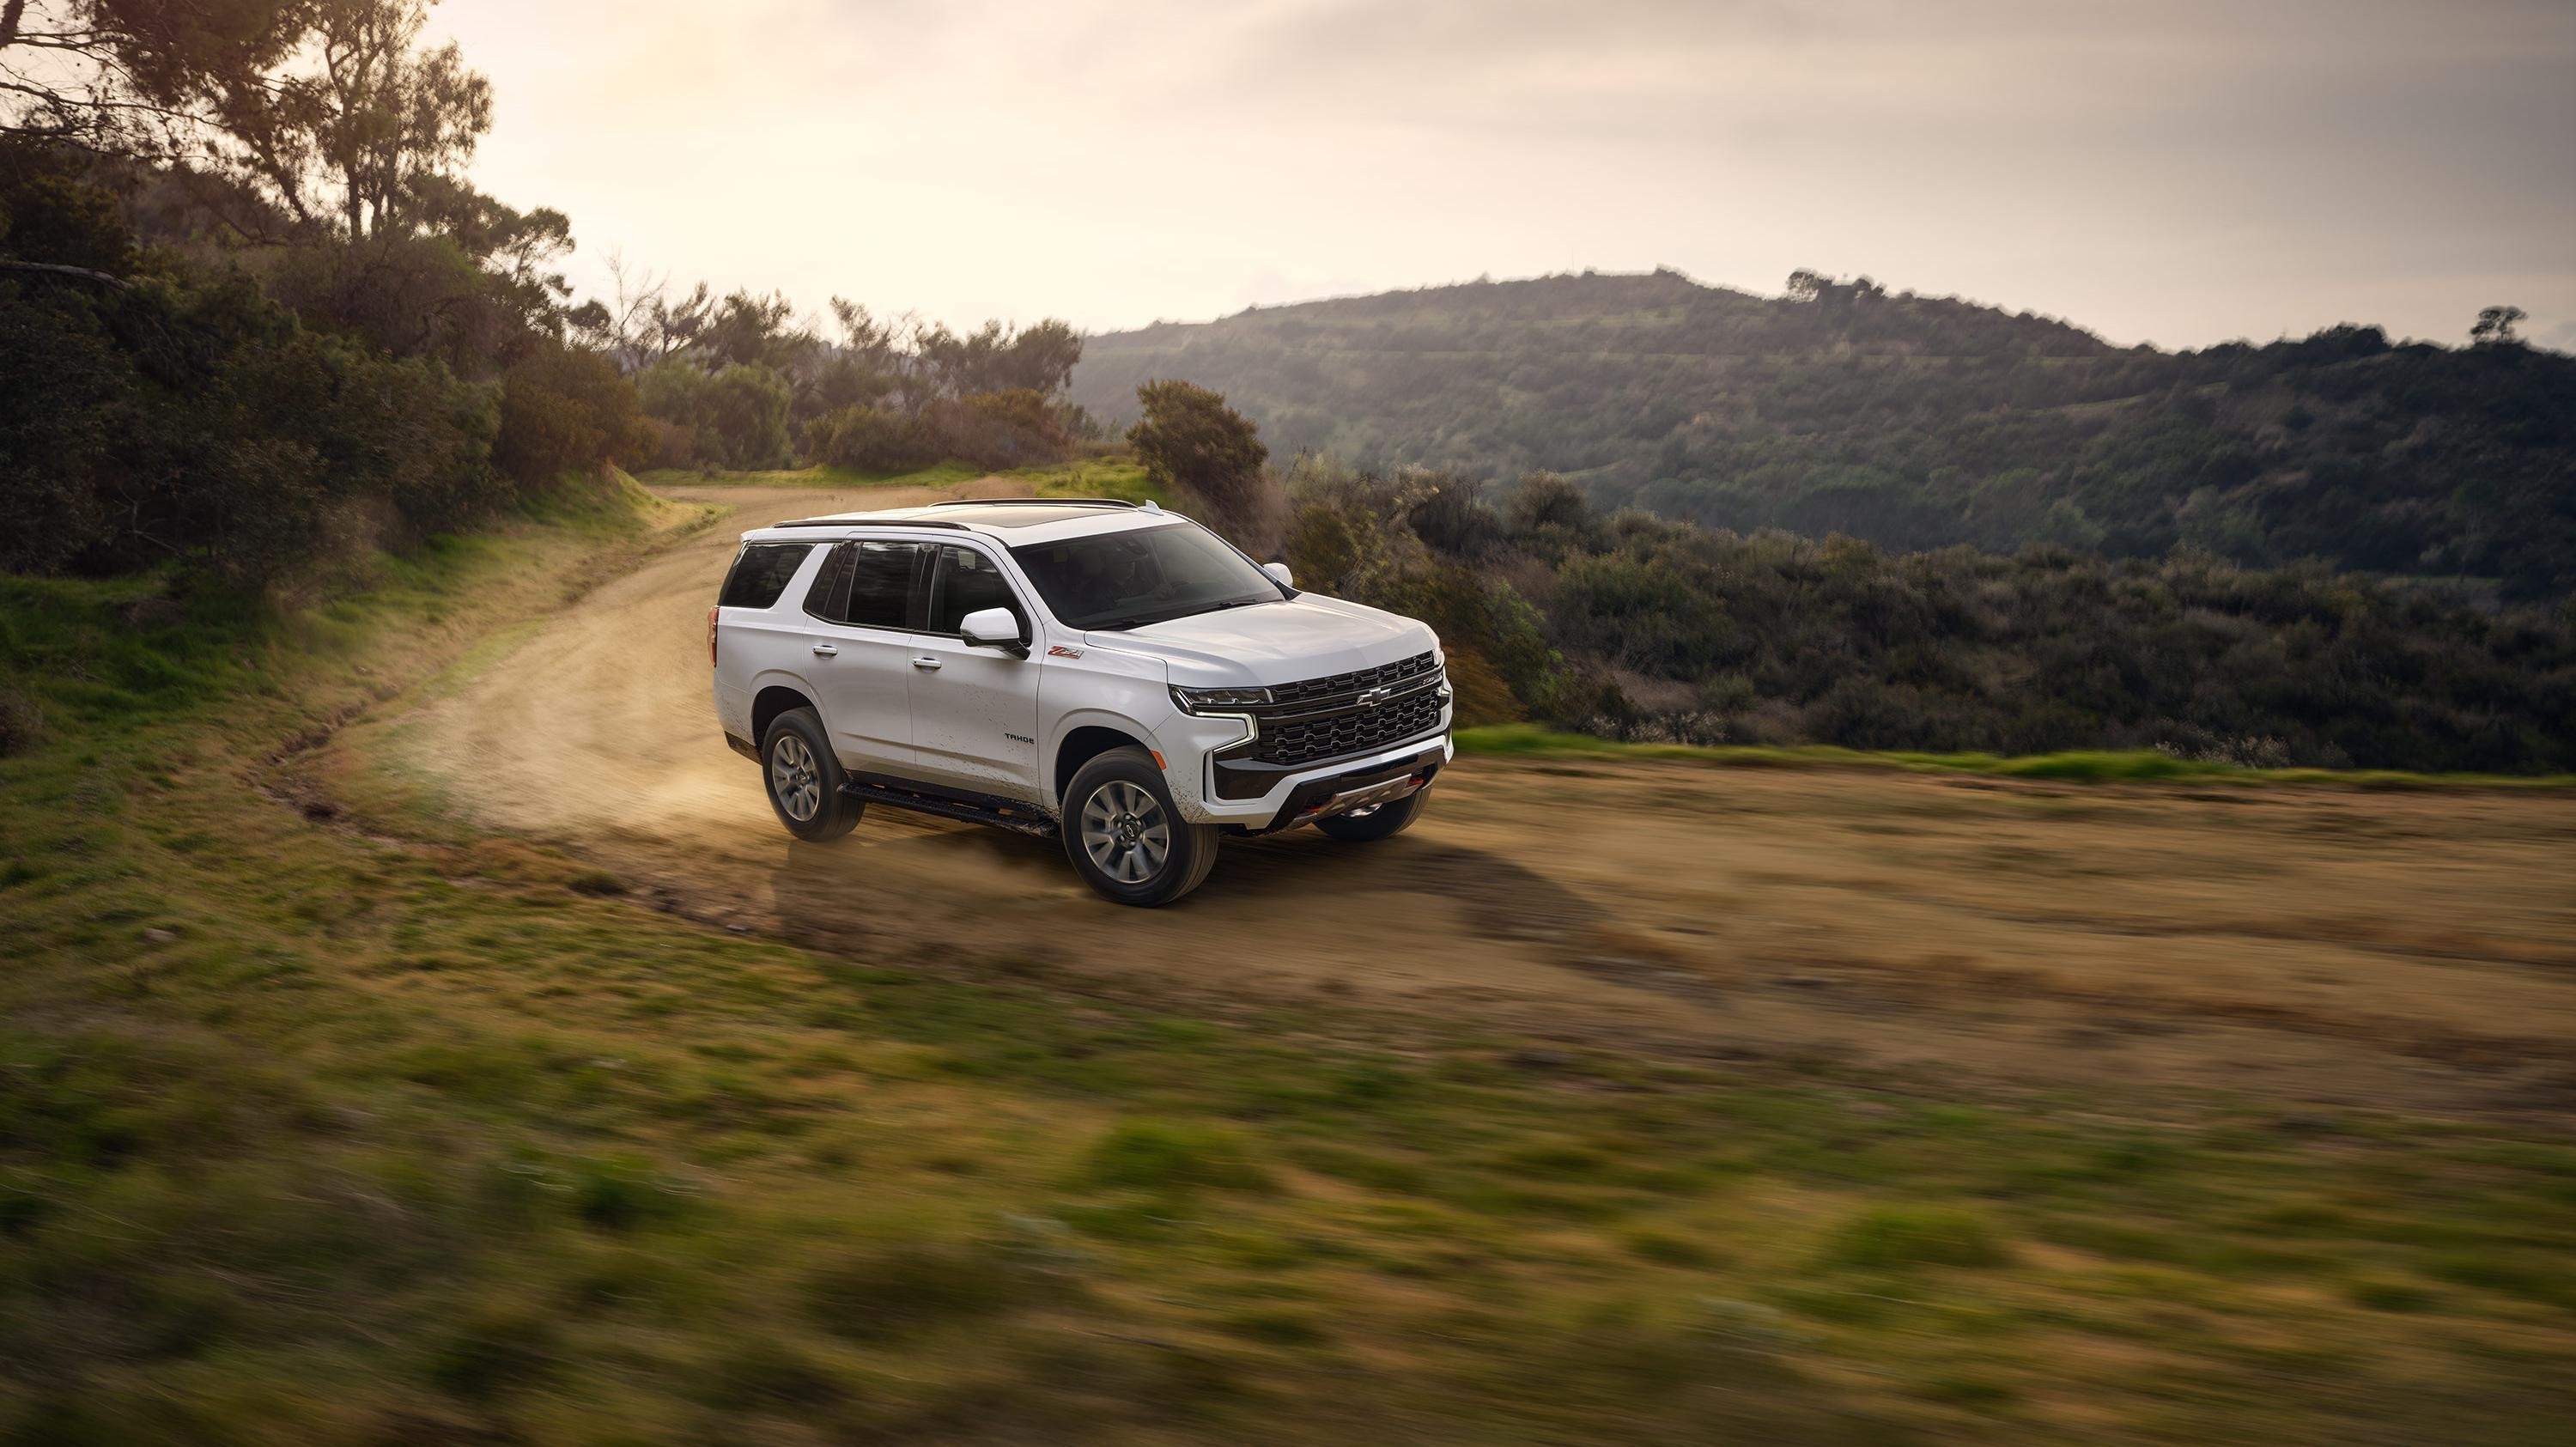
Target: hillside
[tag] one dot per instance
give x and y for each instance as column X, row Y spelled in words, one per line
column 1914, row 422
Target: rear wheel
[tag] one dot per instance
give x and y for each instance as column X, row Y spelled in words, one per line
column 1363, row 825
column 804, row 779
column 1125, row 837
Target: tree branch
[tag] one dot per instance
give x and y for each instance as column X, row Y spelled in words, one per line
column 58, row 269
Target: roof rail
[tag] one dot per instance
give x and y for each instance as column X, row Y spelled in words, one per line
column 1034, row 502
column 871, row 523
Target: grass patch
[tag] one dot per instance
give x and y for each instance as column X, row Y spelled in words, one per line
column 319, row 1134
column 2083, row 766
column 904, row 1288
column 1148, row 1155
column 1898, row 1238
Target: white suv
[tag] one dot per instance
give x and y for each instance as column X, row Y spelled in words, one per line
column 1113, row 673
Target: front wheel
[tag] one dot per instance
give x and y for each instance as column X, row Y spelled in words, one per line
column 804, row 779
column 1125, row 837
column 1363, row 825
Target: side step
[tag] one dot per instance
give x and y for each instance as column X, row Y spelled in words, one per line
column 1018, row 818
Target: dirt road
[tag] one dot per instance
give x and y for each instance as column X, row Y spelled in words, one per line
column 2293, row 945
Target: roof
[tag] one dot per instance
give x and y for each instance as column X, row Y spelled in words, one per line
column 1009, row 521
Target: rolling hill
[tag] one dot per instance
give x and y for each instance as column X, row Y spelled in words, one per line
column 1915, row 422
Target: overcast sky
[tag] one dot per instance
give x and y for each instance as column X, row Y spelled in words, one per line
column 2171, row 171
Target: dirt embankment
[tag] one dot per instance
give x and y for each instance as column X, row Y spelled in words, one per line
column 2307, row 945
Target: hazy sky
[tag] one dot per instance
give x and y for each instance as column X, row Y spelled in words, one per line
column 2158, row 170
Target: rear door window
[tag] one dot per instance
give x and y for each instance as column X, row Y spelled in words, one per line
column 870, row 584
column 762, row 571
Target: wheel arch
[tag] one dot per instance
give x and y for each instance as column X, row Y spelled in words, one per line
column 1087, row 738
column 773, row 697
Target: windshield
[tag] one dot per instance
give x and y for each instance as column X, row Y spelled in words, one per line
column 1146, row 575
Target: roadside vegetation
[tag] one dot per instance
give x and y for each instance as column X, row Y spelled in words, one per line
column 373, row 1130
column 1633, row 628
column 2073, row 766
column 1112, row 476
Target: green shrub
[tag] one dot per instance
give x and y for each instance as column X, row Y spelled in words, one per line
column 22, row 720
column 494, row 1349
column 564, row 410
column 737, row 417
column 1894, row 1238
column 1167, row 1156
column 871, row 439
column 903, row 1288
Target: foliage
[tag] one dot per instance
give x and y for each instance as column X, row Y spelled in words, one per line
column 883, row 397
column 737, row 417
column 157, row 407
column 995, row 358
column 1915, row 421
column 137, row 77
column 1638, row 628
column 871, row 439
column 994, row 430
column 1208, row 454
column 364, row 127
column 1888, row 1238
column 564, row 409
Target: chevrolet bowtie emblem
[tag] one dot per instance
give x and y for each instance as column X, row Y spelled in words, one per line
column 1374, row 697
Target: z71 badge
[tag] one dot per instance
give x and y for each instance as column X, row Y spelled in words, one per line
column 1060, row 651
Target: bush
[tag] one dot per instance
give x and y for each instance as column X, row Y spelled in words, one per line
column 1893, row 1238
column 871, row 439
column 737, row 417
column 1161, row 1156
column 565, row 410
column 1658, row 631
column 1210, row 456
column 1000, row 429
column 907, row 1288
column 22, row 720
column 195, row 419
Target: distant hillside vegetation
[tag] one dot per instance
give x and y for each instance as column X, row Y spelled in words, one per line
column 1914, row 422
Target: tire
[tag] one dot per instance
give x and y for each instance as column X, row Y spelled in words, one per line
column 1125, row 837
column 1384, row 821
column 800, row 775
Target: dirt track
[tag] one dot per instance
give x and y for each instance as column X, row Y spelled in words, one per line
column 2294, row 945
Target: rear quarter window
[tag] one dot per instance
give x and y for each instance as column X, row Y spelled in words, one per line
column 760, row 573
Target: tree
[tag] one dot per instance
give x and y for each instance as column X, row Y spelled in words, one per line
column 2496, row 324
column 138, row 77
column 363, row 126
column 996, row 358
column 1190, row 441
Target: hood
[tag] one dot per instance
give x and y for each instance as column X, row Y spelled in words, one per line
column 1308, row 636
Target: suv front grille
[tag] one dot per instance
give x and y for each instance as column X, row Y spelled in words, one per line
column 1314, row 689
column 1353, row 732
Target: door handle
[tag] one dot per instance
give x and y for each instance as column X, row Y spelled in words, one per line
column 826, row 650
column 925, row 661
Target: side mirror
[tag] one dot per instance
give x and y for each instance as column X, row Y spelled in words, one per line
column 992, row 628
column 1280, row 573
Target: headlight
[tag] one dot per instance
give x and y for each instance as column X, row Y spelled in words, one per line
column 1218, row 700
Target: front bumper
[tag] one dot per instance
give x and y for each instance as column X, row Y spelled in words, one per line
column 1297, row 796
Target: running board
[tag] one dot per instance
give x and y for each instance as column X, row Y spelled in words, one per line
column 1018, row 818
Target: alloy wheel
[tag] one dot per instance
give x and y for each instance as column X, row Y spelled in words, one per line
column 795, row 778
column 1125, row 833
